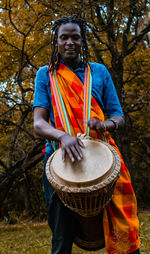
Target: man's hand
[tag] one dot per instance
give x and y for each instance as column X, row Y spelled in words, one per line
column 108, row 125
column 72, row 146
column 96, row 124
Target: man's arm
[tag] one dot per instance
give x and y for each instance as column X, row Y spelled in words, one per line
column 70, row 145
column 115, row 122
column 42, row 126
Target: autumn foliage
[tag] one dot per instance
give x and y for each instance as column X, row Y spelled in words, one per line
column 118, row 37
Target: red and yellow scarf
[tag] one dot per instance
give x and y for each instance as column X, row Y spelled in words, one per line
column 73, row 105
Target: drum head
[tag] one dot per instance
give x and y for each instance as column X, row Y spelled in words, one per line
column 96, row 165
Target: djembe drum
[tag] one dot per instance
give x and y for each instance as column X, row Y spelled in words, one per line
column 86, row 187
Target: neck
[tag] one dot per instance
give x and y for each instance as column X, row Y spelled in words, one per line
column 73, row 63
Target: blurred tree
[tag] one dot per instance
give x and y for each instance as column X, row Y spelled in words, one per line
column 116, row 32
column 137, row 93
column 118, row 37
column 25, row 32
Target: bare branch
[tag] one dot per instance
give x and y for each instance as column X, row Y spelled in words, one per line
column 6, row 122
column 3, row 165
column 10, row 18
column 14, row 137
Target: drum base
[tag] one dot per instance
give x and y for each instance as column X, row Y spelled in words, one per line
column 89, row 233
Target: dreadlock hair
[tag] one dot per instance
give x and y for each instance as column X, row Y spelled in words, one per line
column 55, row 56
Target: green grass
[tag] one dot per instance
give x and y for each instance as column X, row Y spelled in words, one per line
column 32, row 238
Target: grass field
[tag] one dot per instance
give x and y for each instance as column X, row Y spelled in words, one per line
column 35, row 238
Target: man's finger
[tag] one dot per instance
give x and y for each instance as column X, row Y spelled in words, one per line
column 92, row 123
column 63, row 154
column 98, row 125
column 81, row 143
column 76, row 151
column 70, row 154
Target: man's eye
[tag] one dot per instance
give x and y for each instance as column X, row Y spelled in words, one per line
column 76, row 37
column 63, row 37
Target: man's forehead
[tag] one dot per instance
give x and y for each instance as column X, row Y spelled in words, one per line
column 69, row 27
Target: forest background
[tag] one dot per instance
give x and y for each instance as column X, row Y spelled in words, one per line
column 118, row 37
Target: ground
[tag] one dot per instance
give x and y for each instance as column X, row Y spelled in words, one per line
column 35, row 238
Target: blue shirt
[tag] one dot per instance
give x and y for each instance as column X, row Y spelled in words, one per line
column 103, row 91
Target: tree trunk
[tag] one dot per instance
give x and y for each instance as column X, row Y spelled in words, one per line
column 121, row 137
column 27, row 203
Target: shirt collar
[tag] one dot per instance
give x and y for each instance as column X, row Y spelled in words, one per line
column 81, row 67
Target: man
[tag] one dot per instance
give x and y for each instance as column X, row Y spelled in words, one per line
column 59, row 114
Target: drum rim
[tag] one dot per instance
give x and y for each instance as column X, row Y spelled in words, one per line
column 69, row 189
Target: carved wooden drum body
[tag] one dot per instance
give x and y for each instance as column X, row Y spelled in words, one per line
column 85, row 186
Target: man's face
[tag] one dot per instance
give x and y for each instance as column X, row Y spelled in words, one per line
column 69, row 41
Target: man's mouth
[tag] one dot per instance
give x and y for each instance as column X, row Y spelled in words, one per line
column 70, row 50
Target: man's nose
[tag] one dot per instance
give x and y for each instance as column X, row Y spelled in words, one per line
column 69, row 41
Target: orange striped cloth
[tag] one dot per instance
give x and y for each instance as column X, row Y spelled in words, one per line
column 120, row 221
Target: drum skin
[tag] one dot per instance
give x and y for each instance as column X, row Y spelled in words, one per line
column 86, row 187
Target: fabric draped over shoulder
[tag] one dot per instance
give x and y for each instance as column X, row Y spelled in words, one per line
column 72, row 92
column 120, row 221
